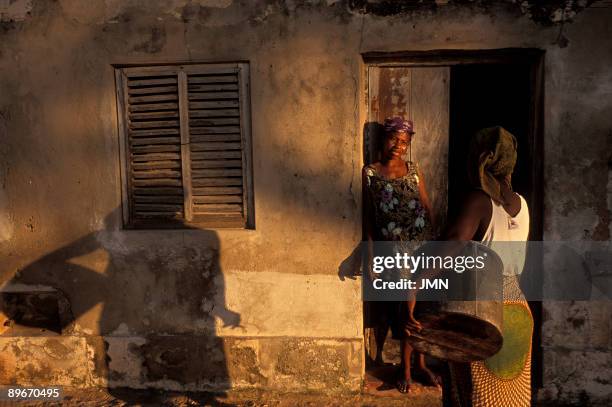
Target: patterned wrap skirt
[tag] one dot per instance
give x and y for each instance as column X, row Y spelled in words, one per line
column 505, row 378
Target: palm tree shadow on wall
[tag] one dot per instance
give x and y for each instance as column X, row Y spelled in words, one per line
column 159, row 300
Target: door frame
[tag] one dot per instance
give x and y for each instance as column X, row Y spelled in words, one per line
column 534, row 58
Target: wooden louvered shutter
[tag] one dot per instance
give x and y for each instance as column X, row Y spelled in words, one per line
column 186, row 147
column 217, row 176
column 153, row 153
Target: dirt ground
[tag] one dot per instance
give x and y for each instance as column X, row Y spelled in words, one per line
column 376, row 392
column 129, row 397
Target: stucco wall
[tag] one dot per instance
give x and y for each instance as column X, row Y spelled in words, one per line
column 60, row 197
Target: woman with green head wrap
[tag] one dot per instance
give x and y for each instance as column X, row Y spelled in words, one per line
column 491, row 214
column 491, row 161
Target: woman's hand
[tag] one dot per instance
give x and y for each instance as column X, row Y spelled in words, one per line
column 411, row 323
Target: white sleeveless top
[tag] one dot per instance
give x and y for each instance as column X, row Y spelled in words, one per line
column 505, row 228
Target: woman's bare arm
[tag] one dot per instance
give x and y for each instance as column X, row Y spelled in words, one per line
column 474, row 211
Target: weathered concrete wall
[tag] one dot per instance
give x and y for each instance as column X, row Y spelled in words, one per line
column 158, row 300
column 257, row 286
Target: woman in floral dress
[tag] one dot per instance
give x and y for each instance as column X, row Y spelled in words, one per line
column 397, row 208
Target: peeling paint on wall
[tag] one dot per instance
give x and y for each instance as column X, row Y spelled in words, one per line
column 550, row 12
column 6, row 225
column 14, row 10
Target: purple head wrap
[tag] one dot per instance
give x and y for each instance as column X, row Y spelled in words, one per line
column 398, row 124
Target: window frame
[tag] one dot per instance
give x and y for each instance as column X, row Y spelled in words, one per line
column 182, row 70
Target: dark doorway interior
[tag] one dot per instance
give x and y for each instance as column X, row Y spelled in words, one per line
column 498, row 94
column 483, row 96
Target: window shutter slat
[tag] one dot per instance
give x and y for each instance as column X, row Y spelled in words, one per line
column 206, row 182
column 152, row 98
column 199, row 138
column 154, row 140
column 215, row 87
column 156, row 157
column 156, row 149
column 216, row 172
column 217, row 190
column 214, row 155
column 215, row 146
column 158, row 182
column 216, row 164
column 166, row 114
column 214, row 121
column 211, row 95
column 217, row 208
column 152, row 90
column 149, row 207
column 153, row 106
column 145, row 199
column 155, row 132
column 156, row 165
column 151, row 82
column 153, row 124
column 218, row 199
column 158, row 191
column 215, row 130
column 147, row 173
column 216, row 79
column 214, row 113
column 215, row 104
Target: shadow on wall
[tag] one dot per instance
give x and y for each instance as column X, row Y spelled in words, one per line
column 169, row 292
column 373, row 136
column 373, row 132
column 352, row 266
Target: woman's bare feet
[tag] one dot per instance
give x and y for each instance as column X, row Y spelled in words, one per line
column 378, row 361
column 427, row 377
column 403, row 385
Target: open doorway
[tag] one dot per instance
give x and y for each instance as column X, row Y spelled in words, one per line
column 450, row 95
column 486, row 95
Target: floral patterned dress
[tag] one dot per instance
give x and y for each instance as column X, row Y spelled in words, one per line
column 399, row 212
column 399, row 217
